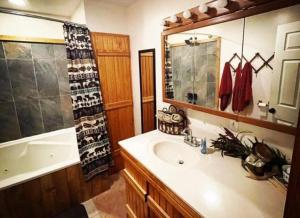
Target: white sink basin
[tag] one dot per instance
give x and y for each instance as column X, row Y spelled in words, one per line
column 174, row 153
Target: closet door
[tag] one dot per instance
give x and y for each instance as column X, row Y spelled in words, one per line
column 112, row 52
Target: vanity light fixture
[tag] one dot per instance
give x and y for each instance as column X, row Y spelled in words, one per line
column 174, row 19
column 221, row 3
column 203, row 8
column 187, row 14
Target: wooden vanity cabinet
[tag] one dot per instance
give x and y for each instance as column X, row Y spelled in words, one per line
column 146, row 196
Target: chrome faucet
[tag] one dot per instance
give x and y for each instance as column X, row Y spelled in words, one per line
column 189, row 138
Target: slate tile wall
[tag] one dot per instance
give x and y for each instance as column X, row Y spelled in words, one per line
column 34, row 89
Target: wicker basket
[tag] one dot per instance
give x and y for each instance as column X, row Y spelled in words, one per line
column 171, row 126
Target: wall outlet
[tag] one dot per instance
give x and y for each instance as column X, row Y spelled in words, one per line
column 234, row 125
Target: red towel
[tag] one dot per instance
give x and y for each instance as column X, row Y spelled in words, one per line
column 242, row 93
column 246, row 87
column 235, row 96
column 225, row 87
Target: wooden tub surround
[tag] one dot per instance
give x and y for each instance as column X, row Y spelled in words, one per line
column 51, row 194
column 211, row 187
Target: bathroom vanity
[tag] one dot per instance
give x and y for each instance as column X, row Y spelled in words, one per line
column 167, row 178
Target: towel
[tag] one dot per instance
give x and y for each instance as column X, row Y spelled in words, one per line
column 242, row 92
column 236, row 89
column 245, row 96
column 225, row 87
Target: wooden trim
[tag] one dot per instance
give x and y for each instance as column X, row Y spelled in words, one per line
column 200, row 108
column 119, row 54
column 170, row 196
column 130, row 213
column 135, row 185
column 117, row 105
column 148, row 99
column 292, row 209
column 266, row 7
column 31, row 39
column 141, row 52
column 111, row 34
column 267, row 124
column 234, row 14
column 156, row 208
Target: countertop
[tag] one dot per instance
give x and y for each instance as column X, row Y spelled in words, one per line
column 214, row 186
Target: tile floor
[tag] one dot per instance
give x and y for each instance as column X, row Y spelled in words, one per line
column 109, row 204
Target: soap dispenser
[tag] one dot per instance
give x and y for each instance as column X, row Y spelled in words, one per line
column 203, row 146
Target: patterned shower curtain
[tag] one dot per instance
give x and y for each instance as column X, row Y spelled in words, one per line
column 90, row 121
column 169, row 86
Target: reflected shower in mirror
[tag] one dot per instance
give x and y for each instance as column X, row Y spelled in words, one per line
column 147, row 89
column 195, row 59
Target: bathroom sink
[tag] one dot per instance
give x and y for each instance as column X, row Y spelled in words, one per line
column 175, row 153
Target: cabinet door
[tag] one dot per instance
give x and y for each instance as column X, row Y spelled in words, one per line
column 135, row 197
column 161, row 206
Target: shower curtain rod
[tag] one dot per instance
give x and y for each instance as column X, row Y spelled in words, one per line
column 24, row 14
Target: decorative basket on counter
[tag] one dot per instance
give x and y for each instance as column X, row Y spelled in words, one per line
column 171, row 121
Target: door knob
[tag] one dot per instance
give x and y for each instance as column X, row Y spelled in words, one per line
column 272, row 110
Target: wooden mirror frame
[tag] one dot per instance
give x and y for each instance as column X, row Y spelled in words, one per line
column 256, row 8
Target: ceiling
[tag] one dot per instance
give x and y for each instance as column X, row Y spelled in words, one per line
column 64, row 8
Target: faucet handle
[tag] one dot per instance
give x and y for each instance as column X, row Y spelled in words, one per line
column 187, row 131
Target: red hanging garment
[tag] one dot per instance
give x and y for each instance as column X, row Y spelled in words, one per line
column 236, row 89
column 245, row 87
column 225, row 87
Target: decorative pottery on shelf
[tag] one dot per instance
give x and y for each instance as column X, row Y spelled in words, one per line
column 171, row 121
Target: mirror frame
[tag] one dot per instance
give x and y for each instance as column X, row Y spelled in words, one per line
column 242, row 13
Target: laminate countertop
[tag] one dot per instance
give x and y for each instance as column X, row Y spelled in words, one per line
column 214, row 186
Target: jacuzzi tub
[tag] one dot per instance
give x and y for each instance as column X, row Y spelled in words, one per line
column 28, row 158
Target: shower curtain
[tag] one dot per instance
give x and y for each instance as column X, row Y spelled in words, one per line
column 90, row 121
column 169, row 86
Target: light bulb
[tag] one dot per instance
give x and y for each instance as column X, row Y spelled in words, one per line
column 18, row 2
column 173, row 19
column 221, row 3
column 203, row 8
column 187, row 14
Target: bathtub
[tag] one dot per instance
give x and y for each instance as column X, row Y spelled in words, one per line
column 31, row 157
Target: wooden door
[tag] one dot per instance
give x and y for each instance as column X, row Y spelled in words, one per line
column 147, row 80
column 112, row 53
column 285, row 96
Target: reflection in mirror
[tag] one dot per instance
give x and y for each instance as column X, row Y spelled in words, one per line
column 245, row 67
column 273, row 48
column 195, row 60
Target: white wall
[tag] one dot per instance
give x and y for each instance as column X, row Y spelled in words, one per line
column 144, row 18
column 31, row 27
column 144, row 25
column 105, row 17
column 79, row 14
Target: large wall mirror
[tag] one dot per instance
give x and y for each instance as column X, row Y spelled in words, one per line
column 244, row 67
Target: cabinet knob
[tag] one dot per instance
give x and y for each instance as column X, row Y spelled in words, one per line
column 272, row 110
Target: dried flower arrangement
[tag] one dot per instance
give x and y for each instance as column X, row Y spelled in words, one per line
column 259, row 160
